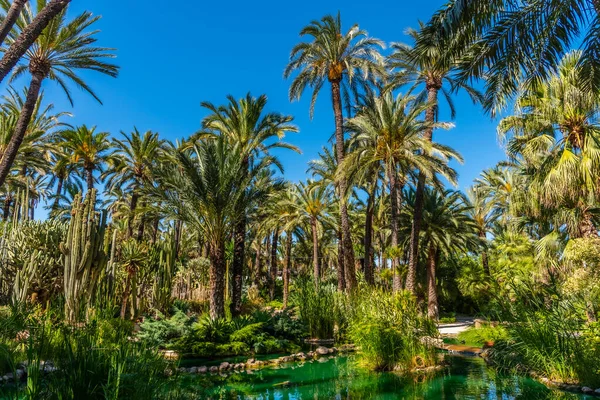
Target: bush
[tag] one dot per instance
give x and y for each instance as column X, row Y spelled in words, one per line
column 480, row 336
column 387, row 328
column 162, row 332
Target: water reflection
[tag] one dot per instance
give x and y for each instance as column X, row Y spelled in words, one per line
column 340, row 378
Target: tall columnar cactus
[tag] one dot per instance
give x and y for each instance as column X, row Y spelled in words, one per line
column 163, row 286
column 84, row 254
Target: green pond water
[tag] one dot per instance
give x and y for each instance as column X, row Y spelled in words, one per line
column 341, row 378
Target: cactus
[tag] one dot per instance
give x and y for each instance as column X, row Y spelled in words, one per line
column 161, row 293
column 84, row 256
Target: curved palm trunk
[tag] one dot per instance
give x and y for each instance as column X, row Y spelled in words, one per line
column 217, row 279
column 368, row 265
column 315, row 237
column 29, row 35
column 22, row 123
column 413, row 257
column 397, row 279
column 273, row 264
column 11, row 17
column 239, row 251
column 286, row 268
column 432, row 301
column 349, row 267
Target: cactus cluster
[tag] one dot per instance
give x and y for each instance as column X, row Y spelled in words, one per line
column 84, row 255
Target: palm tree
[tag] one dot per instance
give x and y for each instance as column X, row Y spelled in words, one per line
column 511, row 43
column 131, row 164
column 62, row 49
column 389, row 136
column 556, row 129
column 202, row 187
column 344, row 60
column 311, row 202
column 483, row 216
column 89, row 150
column 429, row 68
column 256, row 132
column 447, row 231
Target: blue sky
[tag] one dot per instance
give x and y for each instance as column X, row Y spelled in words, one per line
column 174, row 57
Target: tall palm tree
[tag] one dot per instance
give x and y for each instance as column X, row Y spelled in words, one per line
column 389, row 133
column 312, row 202
column 556, row 128
column 511, row 43
column 131, row 164
column 57, row 54
column 245, row 123
column 482, row 214
column 344, row 60
column 429, row 68
column 89, row 150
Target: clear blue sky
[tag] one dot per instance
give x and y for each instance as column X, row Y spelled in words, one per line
column 174, row 55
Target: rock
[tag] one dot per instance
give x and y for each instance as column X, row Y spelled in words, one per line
column 21, row 375
column 224, row 366
column 8, row 377
column 203, row 369
column 330, row 350
column 250, row 361
column 310, row 354
column 597, row 391
column 587, row 390
column 214, row 368
column 168, row 372
column 170, row 354
column 182, row 369
column 322, row 359
column 321, row 350
column 193, row 370
column 301, row 356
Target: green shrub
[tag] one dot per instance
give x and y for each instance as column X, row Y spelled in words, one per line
column 164, row 331
column 247, row 334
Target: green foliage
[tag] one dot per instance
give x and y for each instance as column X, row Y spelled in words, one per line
column 387, row 328
column 162, row 331
column 480, row 336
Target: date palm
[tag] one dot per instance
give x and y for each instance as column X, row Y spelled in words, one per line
column 484, row 217
column 345, row 60
column 389, row 136
column 89, row 150
column 202, row 186
column 64, row 48
column 131, row 164
column 447, row 230
column 430, row 69
column 256, row 132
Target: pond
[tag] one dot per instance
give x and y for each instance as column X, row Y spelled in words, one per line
column 342, row 378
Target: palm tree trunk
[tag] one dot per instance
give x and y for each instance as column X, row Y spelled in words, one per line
column 141, row 225
column 586, row 227
column 257, row 263
column 341, row 276
column 59, row 186
column 413, row 258
column 484, row 256
column 28, row 36
column 239, row 251
column 315, row 237
column 217, row 279
column 273, row 264
column 287, row 267
column 397, row 284
column 89, row 177
column 349, row 267
column 369, row 235
column 6, row 207
column 155, row 225
column 432, row 301
column 132, row 206
column 21, row 128
column 11, row 17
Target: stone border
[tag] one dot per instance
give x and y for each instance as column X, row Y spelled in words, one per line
column 251, row 364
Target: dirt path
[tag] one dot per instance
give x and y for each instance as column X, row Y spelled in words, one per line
column 454, row 328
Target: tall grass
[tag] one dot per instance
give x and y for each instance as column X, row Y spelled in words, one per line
column 548, row 334
column 322, row 309
column 387, row 328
